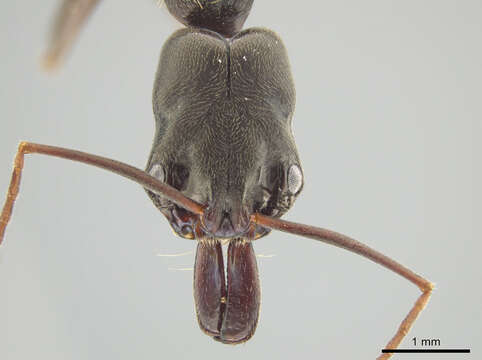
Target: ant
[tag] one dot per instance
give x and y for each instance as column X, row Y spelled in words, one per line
column 218, row 181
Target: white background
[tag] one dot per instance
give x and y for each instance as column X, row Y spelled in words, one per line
column 388, row 125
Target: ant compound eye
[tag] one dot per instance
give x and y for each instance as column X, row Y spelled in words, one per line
column 295, row 179
column 158, row 172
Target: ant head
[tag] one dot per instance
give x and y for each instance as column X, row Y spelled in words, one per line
column 223, row 137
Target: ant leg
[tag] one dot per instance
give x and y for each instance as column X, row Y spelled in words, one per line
column 127, row 171
column 67, row 24
column 352, row 245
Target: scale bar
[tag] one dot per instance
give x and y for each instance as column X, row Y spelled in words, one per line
column 447, row 351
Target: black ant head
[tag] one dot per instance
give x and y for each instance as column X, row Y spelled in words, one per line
column 223, row 131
